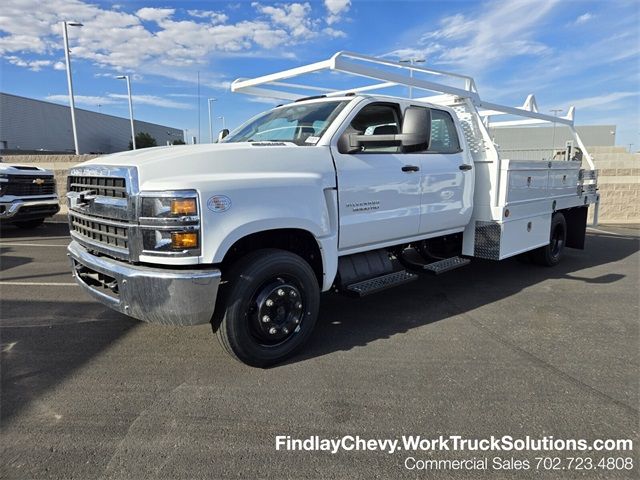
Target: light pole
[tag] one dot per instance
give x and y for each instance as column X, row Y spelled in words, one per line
column 412, row 61
column 133, row 131
column 555, row 112
column 72, row 103
column 210, row 121
column 222, row 118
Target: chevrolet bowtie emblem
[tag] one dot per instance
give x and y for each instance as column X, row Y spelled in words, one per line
column 38, row 181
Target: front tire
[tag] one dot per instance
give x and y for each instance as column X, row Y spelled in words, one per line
column 271, row 307
column 551, row 254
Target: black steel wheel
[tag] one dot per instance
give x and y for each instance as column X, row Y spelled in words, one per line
column 271, row 306
column 551, row 254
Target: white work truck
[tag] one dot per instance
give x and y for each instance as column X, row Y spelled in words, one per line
column 350, row 190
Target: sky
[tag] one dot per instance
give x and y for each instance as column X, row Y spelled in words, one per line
column 582, row 53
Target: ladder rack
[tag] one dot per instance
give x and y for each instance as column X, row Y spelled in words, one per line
column 389, row 74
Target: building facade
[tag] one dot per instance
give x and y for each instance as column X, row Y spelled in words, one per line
column 27, row 124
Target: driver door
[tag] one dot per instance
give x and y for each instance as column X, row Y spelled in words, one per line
column 378, row 188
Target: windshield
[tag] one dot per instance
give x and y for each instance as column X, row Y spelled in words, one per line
column 301, row 124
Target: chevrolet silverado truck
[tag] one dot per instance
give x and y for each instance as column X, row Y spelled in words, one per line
column 27, row 195
column 348, row 190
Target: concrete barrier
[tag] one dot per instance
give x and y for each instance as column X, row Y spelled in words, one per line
column 619, row 184
column 618, row 179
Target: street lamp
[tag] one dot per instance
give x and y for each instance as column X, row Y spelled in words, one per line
column 210, row 121
column 555, row 112
column 133, row 131
column 222, row 118
column 412, row 61
column 72, row 103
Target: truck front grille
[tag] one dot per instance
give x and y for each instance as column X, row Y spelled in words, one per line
column 25, row 185
column 104, row 186
column 101, row 232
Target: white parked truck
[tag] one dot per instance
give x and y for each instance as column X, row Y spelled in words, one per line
column 350, row 190
column 27, row 195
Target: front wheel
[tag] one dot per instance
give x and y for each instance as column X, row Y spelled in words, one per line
column 551, row 254
column 271, row 306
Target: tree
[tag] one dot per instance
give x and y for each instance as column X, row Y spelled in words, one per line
column 143, row 140
column 178, row 141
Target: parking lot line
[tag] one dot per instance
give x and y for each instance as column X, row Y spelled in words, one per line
column 40, row 284
column 605, row 231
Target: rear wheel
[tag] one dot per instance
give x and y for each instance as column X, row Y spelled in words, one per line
column 27, row 224
column 271, row 306
column 551, row 254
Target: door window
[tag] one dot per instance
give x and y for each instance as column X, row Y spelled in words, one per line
column 377, row 119
column 444, row 138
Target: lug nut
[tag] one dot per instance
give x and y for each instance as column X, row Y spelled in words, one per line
column 280, row 292
column 298, row 305
column 266, row 319
column 285, row 330
column 293, row 293
column 273, row 330
column 297, row 320
column 269, row 303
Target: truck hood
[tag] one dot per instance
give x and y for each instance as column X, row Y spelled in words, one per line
column 9, row 169
column 184, row 166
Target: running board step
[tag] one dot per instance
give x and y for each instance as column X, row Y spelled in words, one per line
column 377, row 284
column 445, row 265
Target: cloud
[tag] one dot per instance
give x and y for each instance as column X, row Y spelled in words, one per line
column 158, row 41
column 86, row 100
column 117, row 98
column 600, row 101
column 152, row 100
column 155, row 14
column 333, row 33
column 584, row 18
column 214, row 17
column 33, row 65
column 336, row 9
column 481, row 40
column 294, row 16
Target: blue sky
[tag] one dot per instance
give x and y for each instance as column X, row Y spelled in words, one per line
column 582, row 53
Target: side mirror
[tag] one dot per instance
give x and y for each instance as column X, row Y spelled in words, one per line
column 416, row 131
column 223, row 133
column 416, row 128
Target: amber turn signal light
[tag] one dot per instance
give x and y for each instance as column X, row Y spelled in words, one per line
column 184, row 240
column 184, row 206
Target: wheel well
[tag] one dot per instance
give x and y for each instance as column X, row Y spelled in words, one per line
column 300, row 242
column 576, row 219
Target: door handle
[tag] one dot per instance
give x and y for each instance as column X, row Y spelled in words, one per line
column 465, row 167
column 410, row 168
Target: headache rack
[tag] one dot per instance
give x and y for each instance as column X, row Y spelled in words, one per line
column 451, row 89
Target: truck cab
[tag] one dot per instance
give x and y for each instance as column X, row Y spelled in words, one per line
column 350, row 191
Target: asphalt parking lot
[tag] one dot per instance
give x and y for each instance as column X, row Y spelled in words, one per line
column 503, row 348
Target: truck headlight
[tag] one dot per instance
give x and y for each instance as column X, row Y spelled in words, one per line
column 170, row 223
column 168, row 207
column 169, row 240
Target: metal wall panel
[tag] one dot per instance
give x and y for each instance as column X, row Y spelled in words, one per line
column 28, row 124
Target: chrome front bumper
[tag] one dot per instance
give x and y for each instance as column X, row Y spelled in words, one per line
column 154, row 295
column 17, row 209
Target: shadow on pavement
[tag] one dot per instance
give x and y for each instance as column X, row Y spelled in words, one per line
column 346, row 323
column 36, row 358
column 46, row 230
